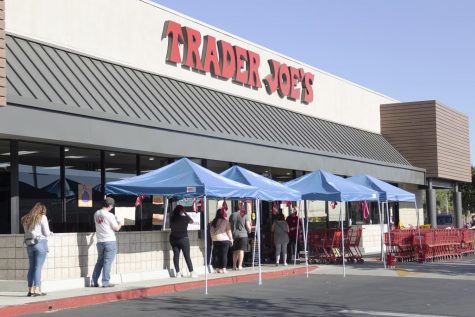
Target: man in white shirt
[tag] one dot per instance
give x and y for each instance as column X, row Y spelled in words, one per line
column 106, row 226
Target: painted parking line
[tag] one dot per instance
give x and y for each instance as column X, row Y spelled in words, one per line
column 389, row 314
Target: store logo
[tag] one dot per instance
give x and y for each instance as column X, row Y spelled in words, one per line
column 225, row 61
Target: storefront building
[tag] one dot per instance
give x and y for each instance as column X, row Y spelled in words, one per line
column 101, row 90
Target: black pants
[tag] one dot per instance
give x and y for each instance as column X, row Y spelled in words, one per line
column 178, row 245
column 220, row 250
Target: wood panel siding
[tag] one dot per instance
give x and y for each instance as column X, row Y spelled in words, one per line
column 3, row 80
column 430, row 135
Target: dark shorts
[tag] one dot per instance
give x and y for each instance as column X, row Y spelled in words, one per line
column 241, row 244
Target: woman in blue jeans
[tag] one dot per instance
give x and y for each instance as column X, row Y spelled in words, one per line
column 35, row 225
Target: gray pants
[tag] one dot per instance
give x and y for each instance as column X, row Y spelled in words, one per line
column 281, row 248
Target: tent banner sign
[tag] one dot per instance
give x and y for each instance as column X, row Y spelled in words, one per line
column 157, row 200
column 84, row 196
column 191, row 189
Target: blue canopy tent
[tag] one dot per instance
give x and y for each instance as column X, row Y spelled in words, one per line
column 322, row 185
column 386, row 193
column 269, row 190
column 183, row 178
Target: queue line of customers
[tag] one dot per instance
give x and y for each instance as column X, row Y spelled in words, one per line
column 224, row 234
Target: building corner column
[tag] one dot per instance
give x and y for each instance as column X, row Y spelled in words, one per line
column 458, row 207
column 431, row 205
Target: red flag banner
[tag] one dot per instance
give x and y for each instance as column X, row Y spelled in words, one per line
column 138, row 201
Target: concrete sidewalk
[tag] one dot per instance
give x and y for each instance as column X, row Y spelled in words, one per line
column 16, row 303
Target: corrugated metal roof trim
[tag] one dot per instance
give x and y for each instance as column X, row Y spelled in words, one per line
column 43, row 72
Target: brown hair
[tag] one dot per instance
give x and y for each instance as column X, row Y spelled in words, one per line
column 31, row 219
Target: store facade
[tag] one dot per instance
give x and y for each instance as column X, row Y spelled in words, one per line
column 112, row 89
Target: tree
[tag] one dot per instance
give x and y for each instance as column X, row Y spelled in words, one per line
column 468, row 195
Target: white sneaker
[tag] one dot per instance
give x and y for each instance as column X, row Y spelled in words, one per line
column 178, row 275
column 285, row 264
column 193, row 275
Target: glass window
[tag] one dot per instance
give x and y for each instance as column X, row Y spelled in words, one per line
column 120, row 166
column 5, row 186
column 83, row 194
column 148, row 164
column 39, row 179
column 217, row 166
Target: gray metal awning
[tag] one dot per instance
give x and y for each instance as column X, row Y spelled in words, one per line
column 69, row 85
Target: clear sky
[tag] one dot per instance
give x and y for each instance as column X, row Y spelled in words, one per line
column 406, row 49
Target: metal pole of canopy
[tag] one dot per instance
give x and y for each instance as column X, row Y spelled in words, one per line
column 254, row 243
column 205, row 210
column 165, row 212
column 342, row 242
column 389, row 225
column 381, row 224
column 297, row 235
column 306, row 236
column 258, row 233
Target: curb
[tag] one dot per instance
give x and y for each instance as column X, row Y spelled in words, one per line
column 93, row 299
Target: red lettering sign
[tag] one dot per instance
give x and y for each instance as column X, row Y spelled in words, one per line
column 227, row 60
column 173, row 31
column 223, row 60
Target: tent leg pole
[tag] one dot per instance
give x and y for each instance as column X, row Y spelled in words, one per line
column 306, row 237
column 258, row 233
column 254, row 243
column 165, row 212
column 342, row 242
column 297, row 236
column 381, row 225
column 205, row 210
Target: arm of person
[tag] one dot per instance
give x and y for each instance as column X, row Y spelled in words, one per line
column 273, row 227
column 190, row 221
column 45, row 227
column 115, row 224
column 248, row 224
column 287, row 227
column 229, row 232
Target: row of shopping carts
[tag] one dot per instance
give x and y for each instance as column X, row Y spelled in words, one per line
column 325, row 246
column 429, row 244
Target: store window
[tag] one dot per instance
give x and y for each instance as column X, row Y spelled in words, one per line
column 120, row 166
column 5, row 186
column 217, row 166
column 39, row 179
column 152, row 205
column 82, row 190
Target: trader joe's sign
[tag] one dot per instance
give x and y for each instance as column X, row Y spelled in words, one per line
column 224, row 60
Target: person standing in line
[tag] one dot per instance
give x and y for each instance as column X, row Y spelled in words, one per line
column 106, row 226
column 222, row 238
column 179, row 221
column 280, row 228
column 293, row 222
column 35, row 225
column 241, row 227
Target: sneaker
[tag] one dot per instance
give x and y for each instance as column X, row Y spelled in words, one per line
column 193, row 275
column 285, row 264
column 178, row 275
column 109, row 285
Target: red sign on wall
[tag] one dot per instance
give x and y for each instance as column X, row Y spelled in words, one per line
column 225, row 61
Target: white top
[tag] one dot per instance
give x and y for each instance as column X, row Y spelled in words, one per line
column 219, row 233
column 106, row 224
column 41, row 229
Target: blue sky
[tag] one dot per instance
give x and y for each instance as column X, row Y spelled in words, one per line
column 409, row 50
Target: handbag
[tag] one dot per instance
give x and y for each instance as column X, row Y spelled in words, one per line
column 31, row 241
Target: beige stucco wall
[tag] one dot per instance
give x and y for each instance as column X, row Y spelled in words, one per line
column 72, row 256
column 130, row 32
